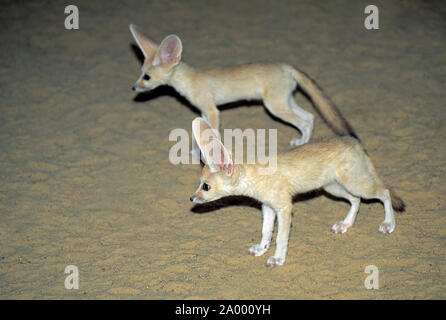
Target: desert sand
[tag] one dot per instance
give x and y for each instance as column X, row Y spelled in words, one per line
column 85, row 177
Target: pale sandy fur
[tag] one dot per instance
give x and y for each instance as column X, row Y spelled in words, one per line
column 272, row 83
column 340, row 166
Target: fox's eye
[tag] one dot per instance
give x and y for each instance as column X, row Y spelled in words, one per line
column 206, row 187
column 146, row 77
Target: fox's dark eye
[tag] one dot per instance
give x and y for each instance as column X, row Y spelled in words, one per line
column 146, row 77
column 206, row 187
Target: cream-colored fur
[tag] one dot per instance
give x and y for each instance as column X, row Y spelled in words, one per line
column 340, row 166
column 273, row 83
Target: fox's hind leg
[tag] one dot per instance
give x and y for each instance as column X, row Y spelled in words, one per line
column 304, row 115
column 280, row 107
column 338, row 191
column 359, row 178
column 382, row 194
column 267, row 232
column 388, row 225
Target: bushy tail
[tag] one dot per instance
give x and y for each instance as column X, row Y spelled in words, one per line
column 323, row 103
column 397, row 203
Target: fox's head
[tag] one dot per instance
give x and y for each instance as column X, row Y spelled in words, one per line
column 159, row 61
column 218, row 177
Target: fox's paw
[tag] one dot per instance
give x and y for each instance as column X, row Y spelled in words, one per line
column 386, row 227
column 257, row 249
column 273, row 261
column 296, row 142
column 340, row 227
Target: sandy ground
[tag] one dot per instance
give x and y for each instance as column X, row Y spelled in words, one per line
column 85, row 178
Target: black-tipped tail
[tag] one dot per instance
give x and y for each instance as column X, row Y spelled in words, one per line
column 397, row 203
column 324, row 105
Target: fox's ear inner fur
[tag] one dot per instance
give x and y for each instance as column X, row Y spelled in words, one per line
column 218, row 158
column 169, row 51
column 147, row 46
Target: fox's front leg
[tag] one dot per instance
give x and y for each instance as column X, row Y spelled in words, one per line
column 212, row 115
column 283, row 232
column 267, row 232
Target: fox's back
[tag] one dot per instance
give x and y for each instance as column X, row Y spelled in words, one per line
column 321, row 150
column 247, row 82
column 312, row 165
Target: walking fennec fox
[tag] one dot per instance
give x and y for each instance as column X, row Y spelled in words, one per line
column 340, row 166
column 273, row 83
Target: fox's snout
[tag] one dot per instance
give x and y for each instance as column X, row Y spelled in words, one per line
column 196, row 199
column 136, row 87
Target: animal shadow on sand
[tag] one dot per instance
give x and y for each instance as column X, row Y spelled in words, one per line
column 242, row 201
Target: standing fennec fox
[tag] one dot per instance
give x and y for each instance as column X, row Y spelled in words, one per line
column 274, row 83
column 340, row 166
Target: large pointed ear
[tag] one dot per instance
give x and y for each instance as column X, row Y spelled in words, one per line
column 203, row 132
column 218, row 158
column 169, row 51
column 147, row 46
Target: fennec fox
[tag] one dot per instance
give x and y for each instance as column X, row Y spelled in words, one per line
column 273, row 83
column 340, row 166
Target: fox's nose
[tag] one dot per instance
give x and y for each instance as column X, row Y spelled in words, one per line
column 192, row 198
column 133, row 87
